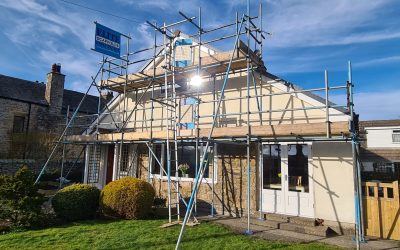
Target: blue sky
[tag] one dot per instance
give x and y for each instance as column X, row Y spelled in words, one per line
column 308, row 36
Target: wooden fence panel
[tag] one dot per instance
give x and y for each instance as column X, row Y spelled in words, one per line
column 382, row 209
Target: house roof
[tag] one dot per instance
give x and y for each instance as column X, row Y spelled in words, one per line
column 34, row 92
column 379, row 123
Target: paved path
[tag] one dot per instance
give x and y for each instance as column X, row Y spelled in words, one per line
column 267, row 233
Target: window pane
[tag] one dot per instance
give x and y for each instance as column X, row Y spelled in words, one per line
column 155, row 166
column 125, row 164
column 272, row 166
column 94, row 164
column 187, row 155
column 298, row 167
column 396, row 137
column 19, row 124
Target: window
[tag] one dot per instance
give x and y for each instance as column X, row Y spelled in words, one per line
column 19, row 124
column 94, row 164
column 298, row 167
column 271, row 160
column 186, row 155
column 396, row 136
column 125, row 166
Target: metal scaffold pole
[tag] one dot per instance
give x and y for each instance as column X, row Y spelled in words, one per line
column 63, row 153
column 248, row 231
column 357, row 178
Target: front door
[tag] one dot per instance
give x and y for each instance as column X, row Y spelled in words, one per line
column 287, row 185
column 110, row 163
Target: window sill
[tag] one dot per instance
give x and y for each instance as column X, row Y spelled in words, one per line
column 182, row 179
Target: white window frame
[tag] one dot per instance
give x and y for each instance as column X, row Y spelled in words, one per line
column 161, row 176
column 395, row 132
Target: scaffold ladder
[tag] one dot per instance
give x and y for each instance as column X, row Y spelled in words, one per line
column 172, row 131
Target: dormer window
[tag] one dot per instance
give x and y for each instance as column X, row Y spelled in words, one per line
column 396, row 136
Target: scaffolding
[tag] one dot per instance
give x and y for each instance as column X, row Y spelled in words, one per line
column 165, row 75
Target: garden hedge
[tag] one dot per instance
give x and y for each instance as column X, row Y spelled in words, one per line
column 128, row 198
column 76, row 202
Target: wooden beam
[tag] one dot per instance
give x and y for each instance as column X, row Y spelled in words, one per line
column 264, row 131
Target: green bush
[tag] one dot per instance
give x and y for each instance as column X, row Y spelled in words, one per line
column 128, row 198
column 20, row 202
column 76, row 202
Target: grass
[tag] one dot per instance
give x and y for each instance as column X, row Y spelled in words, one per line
column 138, row 234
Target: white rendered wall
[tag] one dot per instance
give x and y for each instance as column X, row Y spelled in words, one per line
column 333, row 182
column 381, row 137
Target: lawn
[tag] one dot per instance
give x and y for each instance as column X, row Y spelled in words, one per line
column 139, row 234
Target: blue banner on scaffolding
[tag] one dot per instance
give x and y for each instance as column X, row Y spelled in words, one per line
column 183, row 52
column 107, row 41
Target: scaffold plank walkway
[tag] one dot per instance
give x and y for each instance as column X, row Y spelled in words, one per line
column 271, row 131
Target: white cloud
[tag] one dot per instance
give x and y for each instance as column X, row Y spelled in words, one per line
column 378, row 61
column 56, row 19
column 316, row 23
column 374, row 105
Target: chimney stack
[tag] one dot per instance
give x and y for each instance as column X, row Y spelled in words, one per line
column 55, row 89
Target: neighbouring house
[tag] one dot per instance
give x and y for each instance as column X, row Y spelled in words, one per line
column 300, row 158
column 30, row 112
column 380, row 173
column 380, row 152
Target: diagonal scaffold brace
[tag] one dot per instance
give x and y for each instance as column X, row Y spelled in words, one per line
column 203, row 161
column 71, row 121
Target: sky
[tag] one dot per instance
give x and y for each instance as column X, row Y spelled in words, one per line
column 307, row 37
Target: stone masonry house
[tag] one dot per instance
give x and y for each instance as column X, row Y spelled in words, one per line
column 32, row 109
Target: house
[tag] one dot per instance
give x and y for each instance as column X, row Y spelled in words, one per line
column 300, row 153
column 380, row 152
column 31, row 110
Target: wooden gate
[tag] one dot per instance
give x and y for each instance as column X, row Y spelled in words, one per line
column 382, row 209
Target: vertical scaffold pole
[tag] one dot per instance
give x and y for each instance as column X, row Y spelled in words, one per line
column 248, row 231
column 354, row 154
column 328, row 125
column 261, row 217
column 198, row 105
column 152, row 105
column 213, row 165
column 63, row 153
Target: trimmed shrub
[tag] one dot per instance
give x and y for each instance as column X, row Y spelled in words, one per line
column 20, row 202
column 76, row 202
column 128, row 198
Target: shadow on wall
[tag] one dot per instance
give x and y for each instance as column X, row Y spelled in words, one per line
column 323, row 158
column 233, row 163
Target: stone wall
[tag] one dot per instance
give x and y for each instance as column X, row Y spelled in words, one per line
column 44, row 129
column 230, row 186
column 40, row 121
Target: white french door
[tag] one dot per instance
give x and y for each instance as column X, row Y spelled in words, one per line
column 286, row 179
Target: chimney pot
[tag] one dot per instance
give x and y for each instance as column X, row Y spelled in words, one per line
column 56, row 68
